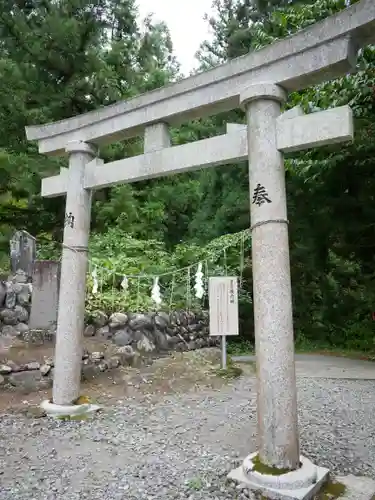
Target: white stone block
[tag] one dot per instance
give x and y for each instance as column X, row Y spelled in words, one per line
column 292, row 113
column 55, row 185
column 316, row 129
column 295, row 485
column 357, row 488
column 156, row 137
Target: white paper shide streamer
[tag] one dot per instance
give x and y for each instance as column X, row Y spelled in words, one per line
column 124, row 283
column 198, row 286
column 95, row 284
column 155, row 292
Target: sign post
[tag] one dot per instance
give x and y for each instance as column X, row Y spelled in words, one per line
column 223, row 304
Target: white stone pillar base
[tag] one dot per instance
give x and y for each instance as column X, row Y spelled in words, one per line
column 61, row 411
column 301, row 484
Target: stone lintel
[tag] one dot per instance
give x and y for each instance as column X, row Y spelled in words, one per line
column 294, row 133
column 235, row 127
column 56, row 185
column 206, row 153
column 315, row 129
column 319, row 53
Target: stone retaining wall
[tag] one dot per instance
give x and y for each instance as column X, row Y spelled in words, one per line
column 130, row 338
column 180, row 330
column 15, row 298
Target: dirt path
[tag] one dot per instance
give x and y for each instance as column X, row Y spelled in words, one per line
column 176, row 373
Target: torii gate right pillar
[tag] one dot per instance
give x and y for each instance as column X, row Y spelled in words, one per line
column 289, row 476
column 273, row 319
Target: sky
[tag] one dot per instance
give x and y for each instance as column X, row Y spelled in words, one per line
column 185, row 22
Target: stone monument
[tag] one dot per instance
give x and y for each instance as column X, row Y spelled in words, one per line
column 260, row 83
column 44, row 303
column 22, row 253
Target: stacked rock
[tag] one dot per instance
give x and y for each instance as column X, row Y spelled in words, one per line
column 149, row 332
column 15, row 298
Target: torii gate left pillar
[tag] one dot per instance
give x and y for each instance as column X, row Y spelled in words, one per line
column 70, row 322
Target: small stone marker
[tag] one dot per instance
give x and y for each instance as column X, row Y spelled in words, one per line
column 44, row 303
column 22, row 252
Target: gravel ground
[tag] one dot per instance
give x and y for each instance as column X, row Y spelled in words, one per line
column 181, row 447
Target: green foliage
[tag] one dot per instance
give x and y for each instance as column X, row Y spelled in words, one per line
column 230, row 372
column 116, row 254
column 238, row 346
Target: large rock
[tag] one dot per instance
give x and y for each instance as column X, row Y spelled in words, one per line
column 9, row 316
column 141, row 321
column 104, row 332
column 194, row 328
column 123, row 337
column 23, row 297
column 9, row 331
column 183, row 318
column 11, row 296
column 33, row 365
column 113, row 362
column 89, row 331
column 161, row 340
column 6, row 342
column 17, row 287
column 21, row 313
column 126, row 355
column 5, row 369
column 173, row 317
column 99, row 319
column 20, row 276
column 173, row 341
column 90, row 371
column 45, row 369
column 145, row 345
column 117, row 320
column 162, row 320
column 22, row 329
column 14, row 367
column 137, row 335
column 30, row 381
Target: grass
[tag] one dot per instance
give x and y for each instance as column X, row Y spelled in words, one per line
column 195, row 484
column 245, row 347
column 336, row 351
column 231, row 371
column 240, row 347
column 266, row 469
column 331, row 490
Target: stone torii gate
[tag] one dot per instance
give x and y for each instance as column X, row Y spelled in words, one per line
column 260, row 83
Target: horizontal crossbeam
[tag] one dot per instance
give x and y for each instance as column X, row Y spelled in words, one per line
column 294, row 133
column 319, row 53
column 314, row 130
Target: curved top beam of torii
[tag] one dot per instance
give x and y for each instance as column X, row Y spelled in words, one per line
column 319, row 53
